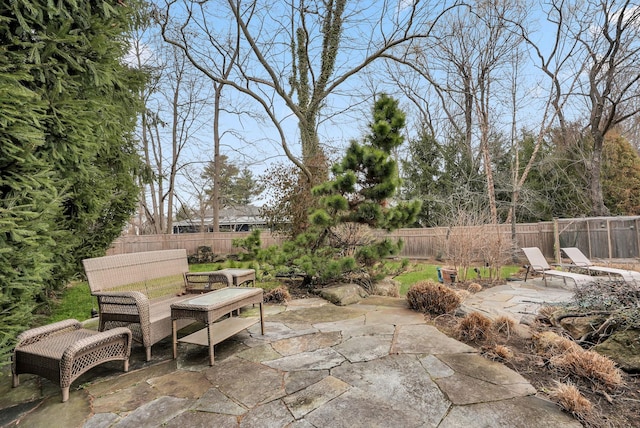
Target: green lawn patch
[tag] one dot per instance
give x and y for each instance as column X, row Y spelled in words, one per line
column 423, row 271
column 416, row 272
column 76, row 302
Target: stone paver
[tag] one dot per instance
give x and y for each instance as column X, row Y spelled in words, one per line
column 306, row 343
column 401, row 381
column 396, row 316
column 314, row 360
column 295, row 381
column 365, row 348
column 174, row 386
column 155, row 413
column 125, row 400
column 76, row 411
column 518, row 299
column 425, row 339
column 245, row 382
column 273, row 414
column 372, row 364
column 357, row 408
column 214, row 401
column 202, row 420
column 519, row 412
column 314, row 396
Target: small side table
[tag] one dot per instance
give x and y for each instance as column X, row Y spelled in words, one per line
column 62, row 351
column 197, row 282
column 210, row 307
column 240, row 276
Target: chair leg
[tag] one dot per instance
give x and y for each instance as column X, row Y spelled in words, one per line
column 126, row 365
column 16, row 380
column 148, row 351
column 65, row 394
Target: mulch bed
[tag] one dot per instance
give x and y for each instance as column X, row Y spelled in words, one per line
column 620, row 408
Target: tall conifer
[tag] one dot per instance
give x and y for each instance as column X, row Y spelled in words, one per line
column 67, row 156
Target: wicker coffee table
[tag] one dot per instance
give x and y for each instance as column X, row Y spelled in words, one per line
column 210, row 307
column 62, row 351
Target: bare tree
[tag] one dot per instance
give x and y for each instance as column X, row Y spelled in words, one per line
column 612, row 86
column 198, row 198
column 594, row 69
column 552, row 64
column 294, row 55
column 175, row 98
column 466, row 66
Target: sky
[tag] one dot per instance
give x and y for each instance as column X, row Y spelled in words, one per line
column 251, row 140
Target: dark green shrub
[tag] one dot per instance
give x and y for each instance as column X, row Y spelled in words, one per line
column 203, row 255
column 251, row 244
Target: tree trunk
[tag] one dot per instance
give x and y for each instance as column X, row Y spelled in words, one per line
column 312, row 154
column 597, row 200
column 491, row 193
column 215, row 202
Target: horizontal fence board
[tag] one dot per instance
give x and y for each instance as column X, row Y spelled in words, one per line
column 601, row 237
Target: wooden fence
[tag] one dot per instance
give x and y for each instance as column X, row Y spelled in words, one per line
column 597, row 237
column 220, row 243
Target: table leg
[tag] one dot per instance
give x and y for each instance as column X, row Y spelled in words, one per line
column 210, row 337
column 261, row 320
column 174, row 336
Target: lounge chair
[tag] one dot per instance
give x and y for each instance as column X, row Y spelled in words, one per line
column 537, row 263
column 580, row 260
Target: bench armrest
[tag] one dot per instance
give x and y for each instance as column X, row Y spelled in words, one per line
column 125, row 307
column 127, row 301
column 196, row 282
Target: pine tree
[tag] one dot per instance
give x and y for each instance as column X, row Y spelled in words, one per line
column 360, row 194
column 367, row 178
column 237, row 186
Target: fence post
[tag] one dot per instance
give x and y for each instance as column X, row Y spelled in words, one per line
column 589, row 239
column 609, row 238
column 635, row 229
column 556, row 241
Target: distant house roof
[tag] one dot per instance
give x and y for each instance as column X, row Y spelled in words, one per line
column 238, row 218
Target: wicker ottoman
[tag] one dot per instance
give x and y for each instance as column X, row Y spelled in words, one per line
column 62, row 351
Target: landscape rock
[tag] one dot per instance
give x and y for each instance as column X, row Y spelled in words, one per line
column 387, row 287
column 529, row 320
column 622, row 347
column 343, row 294
column 578, row 326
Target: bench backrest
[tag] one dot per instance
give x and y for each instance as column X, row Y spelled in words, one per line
column 536, row 259
column 155, row 273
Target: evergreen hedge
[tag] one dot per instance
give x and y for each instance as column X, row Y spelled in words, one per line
column 67, row 153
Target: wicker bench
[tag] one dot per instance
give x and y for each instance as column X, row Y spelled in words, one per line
column 136, row 291
column 62, row 351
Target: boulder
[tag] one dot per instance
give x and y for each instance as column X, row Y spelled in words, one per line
column 578, row 326
column 343, row 294
column 387, row 287
column 623, row 347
